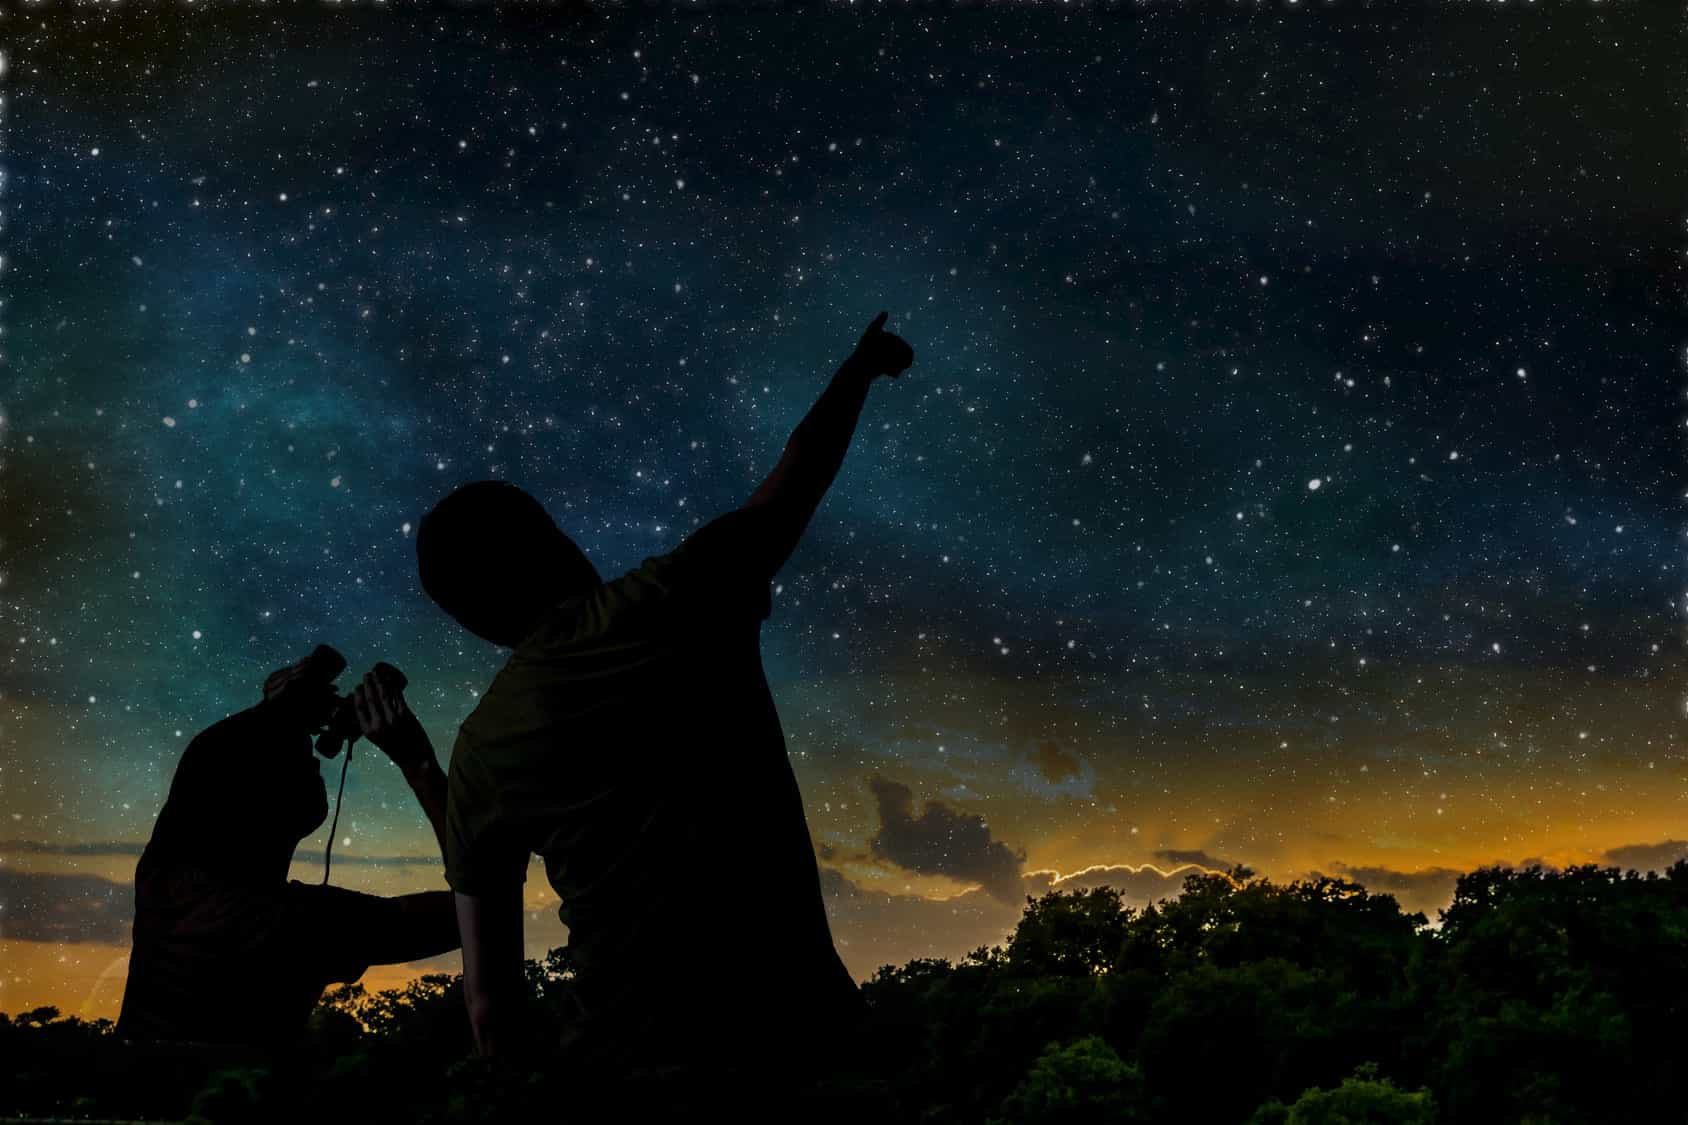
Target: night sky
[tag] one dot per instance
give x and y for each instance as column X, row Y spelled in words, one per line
column 1290, row 473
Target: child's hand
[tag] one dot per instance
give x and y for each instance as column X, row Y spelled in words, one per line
column 881, row 352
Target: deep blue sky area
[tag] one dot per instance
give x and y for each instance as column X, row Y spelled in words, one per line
column 1290, row 472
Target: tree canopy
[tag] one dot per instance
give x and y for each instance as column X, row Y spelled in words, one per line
column 1542, row 996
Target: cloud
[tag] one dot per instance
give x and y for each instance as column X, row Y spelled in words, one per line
column 71, row 907
column 1648, row 857
column 1137, row 886
column 135, row 847
column 374, row 860
column 1055, row 764
column 1195, row 856
column 943, row 841
column 54, row 847
column 36, row 906
column 872, row 928
column 1427, row 891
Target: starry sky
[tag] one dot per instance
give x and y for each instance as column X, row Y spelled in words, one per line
column 1289, row 474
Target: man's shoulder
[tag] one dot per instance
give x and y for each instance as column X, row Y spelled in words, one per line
column 240, row 724
column 214, row 745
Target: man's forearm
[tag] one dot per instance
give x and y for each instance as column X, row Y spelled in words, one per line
column 816, row 448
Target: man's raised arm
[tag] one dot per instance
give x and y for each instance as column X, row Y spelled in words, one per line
column 813, row 454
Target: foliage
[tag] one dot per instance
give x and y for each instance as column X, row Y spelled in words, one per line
column 1543, row 996
column 1076, row 1084
column 1362, row 1099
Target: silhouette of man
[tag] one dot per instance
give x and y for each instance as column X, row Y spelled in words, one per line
column 630, row 740
column 226, row 949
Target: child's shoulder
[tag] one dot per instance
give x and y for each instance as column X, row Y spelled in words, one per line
column 505, row 708
column 616, row 613
column 484, row 714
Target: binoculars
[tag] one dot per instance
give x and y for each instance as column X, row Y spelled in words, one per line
column 342, row 727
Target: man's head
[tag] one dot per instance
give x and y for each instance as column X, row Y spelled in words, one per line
column 303, row 694
column 492, row 557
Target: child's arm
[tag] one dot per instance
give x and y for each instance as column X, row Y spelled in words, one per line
column 491, row 928
column 816, row 449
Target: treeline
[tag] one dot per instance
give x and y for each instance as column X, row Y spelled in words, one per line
column 1544, row 996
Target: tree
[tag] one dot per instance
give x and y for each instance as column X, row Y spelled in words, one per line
column 1081, row 1083
column 1069, row 934
column 1361, row 1099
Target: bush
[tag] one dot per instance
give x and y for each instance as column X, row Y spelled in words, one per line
column 1361, row 1099
column 1081, row 1083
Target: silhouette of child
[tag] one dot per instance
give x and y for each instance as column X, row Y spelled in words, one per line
column 631, row 741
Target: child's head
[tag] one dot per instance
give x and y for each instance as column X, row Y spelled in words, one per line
column 492, row 557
